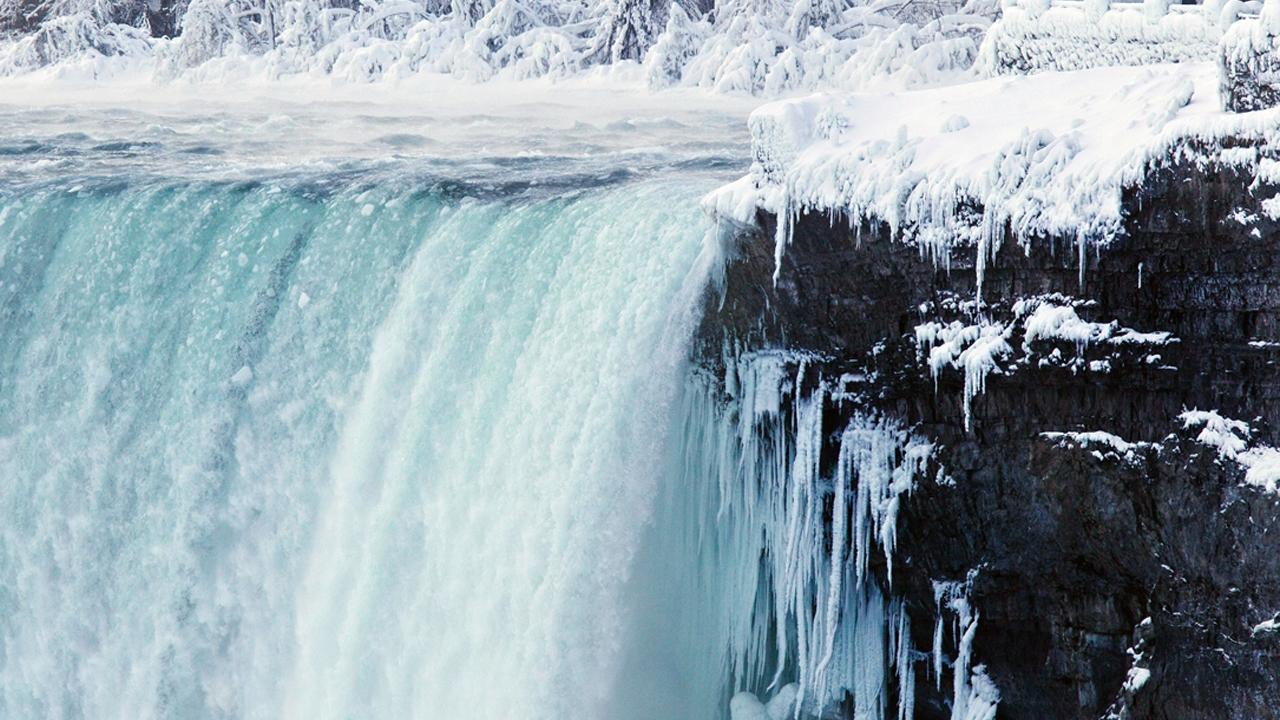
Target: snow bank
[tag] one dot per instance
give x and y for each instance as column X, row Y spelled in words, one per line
column 1078, row 35
column 1047, row 155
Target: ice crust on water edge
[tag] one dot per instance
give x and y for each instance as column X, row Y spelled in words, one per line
column 1047, row 156
column 803, row 586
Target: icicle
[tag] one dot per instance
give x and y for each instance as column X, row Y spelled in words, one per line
column 937, row 650
column 1083, row 246
column 800, row 604
column 782, row 235
column 835, row 585
column 905, row 664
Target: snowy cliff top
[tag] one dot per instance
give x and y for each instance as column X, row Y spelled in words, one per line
column 1048, row 154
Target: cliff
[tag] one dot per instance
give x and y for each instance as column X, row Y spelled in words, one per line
column 1119, row 557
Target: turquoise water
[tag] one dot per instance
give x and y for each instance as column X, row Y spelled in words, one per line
column 348, row 445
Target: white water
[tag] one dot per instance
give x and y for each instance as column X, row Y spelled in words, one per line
column 341, row 444
column 291, row 432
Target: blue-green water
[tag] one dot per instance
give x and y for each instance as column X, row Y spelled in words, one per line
column 346, row 445
column 370, row 418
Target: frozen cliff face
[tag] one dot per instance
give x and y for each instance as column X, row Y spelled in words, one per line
column 979, row 164
column 1107, row 494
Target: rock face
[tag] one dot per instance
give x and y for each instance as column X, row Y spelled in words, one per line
column 1128, row 579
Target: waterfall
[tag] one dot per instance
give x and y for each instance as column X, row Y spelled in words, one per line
column 345, row 446
column 330, row 448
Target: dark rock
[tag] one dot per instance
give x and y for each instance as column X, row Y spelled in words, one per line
column 1075, row 544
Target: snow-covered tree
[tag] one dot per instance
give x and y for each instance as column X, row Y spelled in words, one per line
column 807, row 14
column 26, row 15
column 751, row 46
column 627, row 29
column 470, row 11
column 675, row 47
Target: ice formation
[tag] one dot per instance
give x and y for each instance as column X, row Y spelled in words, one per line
column 796, row 597
column 1046, row 156
column 767, row 47
column 1096, row 33
column 1233, row 441
column 980, row 345
column 1249, row 61
column 975, row 696
column 974, row 349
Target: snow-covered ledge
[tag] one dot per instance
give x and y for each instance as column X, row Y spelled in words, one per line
column 968, row 165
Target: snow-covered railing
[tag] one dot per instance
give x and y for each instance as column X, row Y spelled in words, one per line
column 1035, row 35
column 1250, row 63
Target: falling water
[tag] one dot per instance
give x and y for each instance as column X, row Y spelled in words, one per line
column 329, row 449
column 415, row 439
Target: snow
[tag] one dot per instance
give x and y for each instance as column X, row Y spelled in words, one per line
column 1249, row 62
column 1266, row 627
column 1135, row 679
column 982, row 346
column 1262, row 467
column 1231, row 438
column 1096, row 438
column 1076, row 36
column 1060, row 322
column 1045, row 156
column 763, row 47
column 746, row 706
